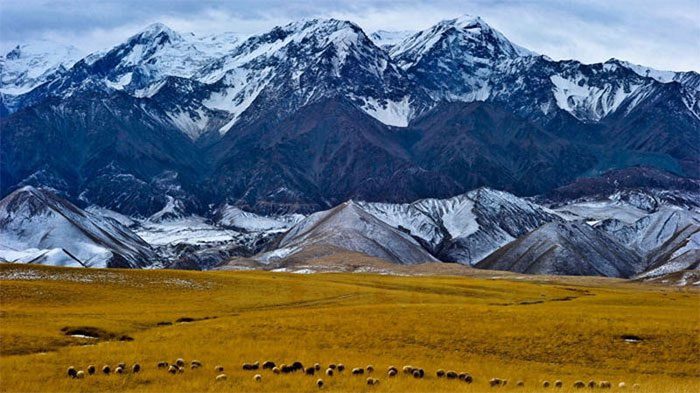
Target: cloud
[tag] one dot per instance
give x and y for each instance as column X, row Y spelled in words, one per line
column 658, row 34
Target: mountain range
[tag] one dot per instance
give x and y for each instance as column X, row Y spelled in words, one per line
column 308, row 115
column 313, row 138
column 484, row 228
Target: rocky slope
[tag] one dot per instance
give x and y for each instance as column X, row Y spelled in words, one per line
column 39, row 227
column 571, row 248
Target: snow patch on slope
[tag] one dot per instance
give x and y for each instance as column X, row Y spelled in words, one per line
column 391, row 113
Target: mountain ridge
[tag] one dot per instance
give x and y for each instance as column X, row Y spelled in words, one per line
column 457, row 106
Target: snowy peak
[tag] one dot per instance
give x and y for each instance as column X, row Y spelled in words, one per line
column 303, row 62
column 466, row 37
column 455, row 59
column 29, row 65
column 158, row 32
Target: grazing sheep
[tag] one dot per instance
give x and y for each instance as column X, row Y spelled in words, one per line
column 287, row 369
column 621, row 385
column 268, row 365
column 605, row 385
column 251, row 366
column 451, row 374
column 408, row 369
column 372, row 381
column 163, row 365
column 392, row 368
column 592, row 384
column 297, row 366
column 195, row 364
column 392, row 372
column 421, row 372
column 341, row 367
column 579, row 384
column 180, row 362
column 495, row 382
column 275, row 370
column 173, row 369
column 369, row 368
column 558, row 384
column 317, row 366
column 461, row 376
column 329, row 372
column 310, row 370
column 257, row 377
column 440, row 373
column 358, row 371
column 520, row 384
column 468, row 379
column 545, row 384
column 91, row 369
column 219, row 369
column 119, row 370
column 72, row 372
column 417, row 374
column 122, row 365
column 136, row 368
column 332, row 366
column 221, row 377
column 319, row 383
column 80, row 374
column 106, row 369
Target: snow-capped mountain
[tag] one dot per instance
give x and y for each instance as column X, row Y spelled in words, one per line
column 656, row 235
column 310, row 114
column 485, row 228
column 304, row 62
column 27, row 66
column 39, row 227
column 571, row 248
column 465, row 228
column 455, row 59
column 348, row 227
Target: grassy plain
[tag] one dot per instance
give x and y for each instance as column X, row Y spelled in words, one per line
column 488, row 324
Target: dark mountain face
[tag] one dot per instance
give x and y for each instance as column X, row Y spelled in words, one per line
column 101, row 149
column 481, row 144
column 313, row 113
column 324, row 154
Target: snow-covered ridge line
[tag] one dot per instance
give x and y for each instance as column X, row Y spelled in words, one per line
column 391, row 76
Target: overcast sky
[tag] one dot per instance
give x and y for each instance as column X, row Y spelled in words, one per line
column 664, row 34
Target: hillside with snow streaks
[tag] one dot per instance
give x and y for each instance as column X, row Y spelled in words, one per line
column 465, row 228
column 316, row 112
column 38, row 227
column 348, row 227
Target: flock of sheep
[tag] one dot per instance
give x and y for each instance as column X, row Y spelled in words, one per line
column 178, row 367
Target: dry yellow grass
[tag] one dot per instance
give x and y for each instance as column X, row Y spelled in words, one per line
column 532, row 330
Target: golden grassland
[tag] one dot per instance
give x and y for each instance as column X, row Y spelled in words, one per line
column 530, row 329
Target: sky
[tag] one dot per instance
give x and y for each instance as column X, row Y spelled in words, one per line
column 663, row 34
